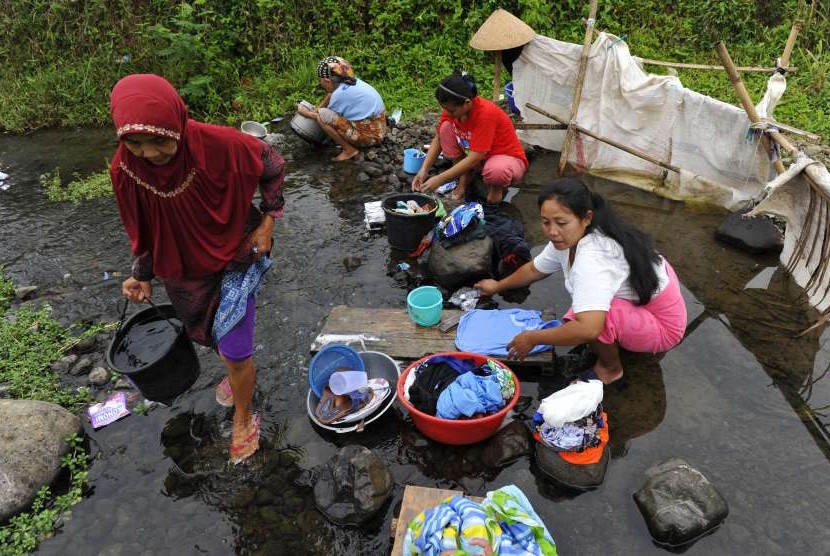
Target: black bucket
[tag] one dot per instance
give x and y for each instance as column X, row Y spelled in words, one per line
column 154, row 352
column 405, row 231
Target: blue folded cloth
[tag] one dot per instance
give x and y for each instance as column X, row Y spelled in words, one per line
column 233, row 299
column 470, row 394
column 489, row 331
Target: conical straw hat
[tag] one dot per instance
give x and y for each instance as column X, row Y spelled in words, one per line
column 501, row 31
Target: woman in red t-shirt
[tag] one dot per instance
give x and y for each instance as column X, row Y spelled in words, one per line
column 477, row 136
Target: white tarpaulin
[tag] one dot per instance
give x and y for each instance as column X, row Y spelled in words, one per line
column 720, row 160
column 655, row 114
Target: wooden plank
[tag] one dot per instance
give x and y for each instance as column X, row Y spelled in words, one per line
column 393, row 333
column 415, row 500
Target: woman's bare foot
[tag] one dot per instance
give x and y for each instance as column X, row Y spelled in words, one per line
column 458, row 194
column 495, row 194
column 345, row 155
column 608, row 375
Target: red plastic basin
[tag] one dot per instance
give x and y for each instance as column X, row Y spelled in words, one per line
column 462, row 431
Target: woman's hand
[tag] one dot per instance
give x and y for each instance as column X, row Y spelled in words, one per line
column 488, row 287
column 306, row 112
column 520, row 346
column 429, row 185
column 136, row 291
column 418, row 180
column 262, row 238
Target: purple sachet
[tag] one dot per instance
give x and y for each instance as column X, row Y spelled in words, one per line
column 109, row 411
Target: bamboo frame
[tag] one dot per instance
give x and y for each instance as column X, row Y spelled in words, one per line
column 598, row 137
column 580, row 81
column 750, row 69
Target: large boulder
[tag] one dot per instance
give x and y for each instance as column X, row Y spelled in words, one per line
column 755, row 235
column 352, row 486
column 34, row 440
column 463, row 264
column 679, row 504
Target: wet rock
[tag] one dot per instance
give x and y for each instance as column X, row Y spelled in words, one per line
column 63, row 364
column 123, row 384
column 99, row 376
column 243, row 499
column 87, row 345
column 269, row 514
column 679, row 504
column 264, row 497
column 351, row 262
column 755, row 235
column 352, row 486
column 461, row 265
column 511, row 443
column 33, row 441
column 372, row 155
column 372, row 169
column 82, row 367
column 25, row 292
column 394, row 180
column 362, row 177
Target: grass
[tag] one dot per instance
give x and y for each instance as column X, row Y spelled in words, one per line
column 94, row 186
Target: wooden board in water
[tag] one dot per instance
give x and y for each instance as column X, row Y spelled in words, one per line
column 390, row 331
column 415, row 500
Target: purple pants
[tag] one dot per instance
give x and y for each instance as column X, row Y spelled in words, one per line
column 238, row 344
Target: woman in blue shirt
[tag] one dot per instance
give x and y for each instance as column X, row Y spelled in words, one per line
column 352, row 113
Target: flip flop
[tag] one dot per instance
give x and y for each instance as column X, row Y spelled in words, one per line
column 380, row 388
column 331, row 407
column 248, row 447
column 224, row 394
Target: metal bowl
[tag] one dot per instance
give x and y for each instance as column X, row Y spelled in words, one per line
column 254, row 128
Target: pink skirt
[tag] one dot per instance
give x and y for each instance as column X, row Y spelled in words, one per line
column 655, row 327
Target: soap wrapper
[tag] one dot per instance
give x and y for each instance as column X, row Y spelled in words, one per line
column 108, row 411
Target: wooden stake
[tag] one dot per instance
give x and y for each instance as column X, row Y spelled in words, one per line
column 750, row 69
column 589, row 133
column 497, row 77
column 580, row 81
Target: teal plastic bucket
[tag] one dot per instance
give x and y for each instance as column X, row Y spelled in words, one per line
column 413, row 159
column 424, row 305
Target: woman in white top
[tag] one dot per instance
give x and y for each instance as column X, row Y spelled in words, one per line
column 624, row 293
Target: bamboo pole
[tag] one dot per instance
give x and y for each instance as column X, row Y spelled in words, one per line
column 580, row 81
column 784, row 61
column 524, row 125
column 598, row 137
column 746, row 102
column 497, row 77
column 750, row 69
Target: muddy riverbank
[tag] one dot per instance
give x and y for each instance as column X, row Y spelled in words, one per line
column 741, row 398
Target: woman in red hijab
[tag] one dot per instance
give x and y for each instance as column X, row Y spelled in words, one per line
column 184, row 190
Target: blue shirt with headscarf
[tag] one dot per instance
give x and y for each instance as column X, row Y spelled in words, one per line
column 356, row 102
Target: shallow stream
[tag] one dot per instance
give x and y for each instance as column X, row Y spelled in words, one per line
column 742, row 399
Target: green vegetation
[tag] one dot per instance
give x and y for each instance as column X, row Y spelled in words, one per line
column 79, row 189
column 30, row 340
column 24, row 531
column 252, row 60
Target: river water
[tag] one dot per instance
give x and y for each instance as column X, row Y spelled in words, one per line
column 742, row 399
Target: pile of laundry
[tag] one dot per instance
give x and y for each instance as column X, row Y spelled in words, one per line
column 573, row 423
column 412, row 207
column 451, row 387
column 504, row 523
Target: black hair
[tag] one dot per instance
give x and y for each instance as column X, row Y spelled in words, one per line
column 636, row 245
column 456, row 88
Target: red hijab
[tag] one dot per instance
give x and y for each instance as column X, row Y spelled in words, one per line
column 190, row 213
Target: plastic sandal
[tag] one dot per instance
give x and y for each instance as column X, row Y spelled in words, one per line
column 380, row 389
column 248, row 447
column 224, row 394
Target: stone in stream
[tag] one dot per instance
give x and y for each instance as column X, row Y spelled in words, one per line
column 86, row 345
column 33, row 440
column 99, row 376
column 755, row 235
column 462, row 264
column 352, row 486
column 24, row 292
column 511, row 443
column 82, row 367
column 63, row 364
column 679, row 504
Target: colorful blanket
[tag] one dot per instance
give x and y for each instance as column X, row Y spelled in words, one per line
column 505, row 521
